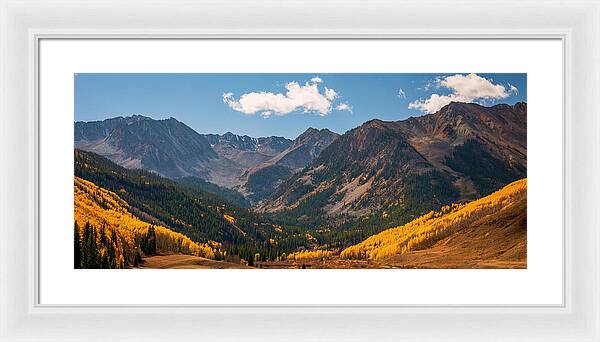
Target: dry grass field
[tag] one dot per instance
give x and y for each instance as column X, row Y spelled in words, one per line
column 183, row 261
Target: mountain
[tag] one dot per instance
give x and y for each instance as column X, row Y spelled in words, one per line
column 255, row 166
column 304, row 149
column 244, row 150
column 167, row 147
column 488, row 232
column 487, row 144
column 261, row 180
column 399, row 170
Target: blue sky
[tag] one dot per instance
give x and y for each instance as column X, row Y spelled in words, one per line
column 285, row 104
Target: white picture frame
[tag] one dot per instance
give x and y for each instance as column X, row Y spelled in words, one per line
column 24, row 23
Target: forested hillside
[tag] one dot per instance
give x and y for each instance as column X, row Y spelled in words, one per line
column 199, row 184
column 108, row 235
column 493, row 227
column 187, row 209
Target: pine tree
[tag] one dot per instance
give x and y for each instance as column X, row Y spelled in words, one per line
column 92, row 247
column 77, row 247
column 112, row 250
column 151, row 236
column 85, row 255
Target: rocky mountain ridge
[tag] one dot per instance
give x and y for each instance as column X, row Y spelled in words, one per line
column 462, row 152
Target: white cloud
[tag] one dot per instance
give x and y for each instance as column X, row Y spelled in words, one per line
column 465, row 88
column 307, row 98
column 401, row 93
column 344, row 106
column 330, row 94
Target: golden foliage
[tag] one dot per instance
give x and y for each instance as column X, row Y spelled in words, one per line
column 229, row 218
column 316, row 254
column 434, row 226
column 106, row 210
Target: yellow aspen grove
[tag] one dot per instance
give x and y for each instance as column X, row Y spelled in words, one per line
column 316, row 254
column 107, row 212
column 434, row 226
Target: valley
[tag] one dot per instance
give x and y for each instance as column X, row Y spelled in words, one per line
column 442, row 190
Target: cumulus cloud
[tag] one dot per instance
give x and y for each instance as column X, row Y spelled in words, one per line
column 401, row 93
column 344, row 107
column 307, row 97
column 330, row 94
column 464, row 88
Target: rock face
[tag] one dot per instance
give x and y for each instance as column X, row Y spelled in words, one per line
column 167, row 147
column 462, row 152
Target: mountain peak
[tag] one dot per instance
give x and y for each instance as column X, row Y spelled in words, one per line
column 311, row 130
column 457, row 105
column 520, row 106
column 374, row 123
column 314, row 133
column 129, row 119
column 138, row 117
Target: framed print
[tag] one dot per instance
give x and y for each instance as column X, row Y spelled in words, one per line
column 262, row 173
column 305, row 179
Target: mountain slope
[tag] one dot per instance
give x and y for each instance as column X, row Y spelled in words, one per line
column 105, row 213
column 189, row 210
column 199, row 215
column 305, row 148
column 199, row 184
column 363, row 169
column 167, row 147
column 402, row 169
column 488, row 145
column 488, row 232
column 261, row 180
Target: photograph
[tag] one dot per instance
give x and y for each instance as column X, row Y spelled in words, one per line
column 300, row 170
